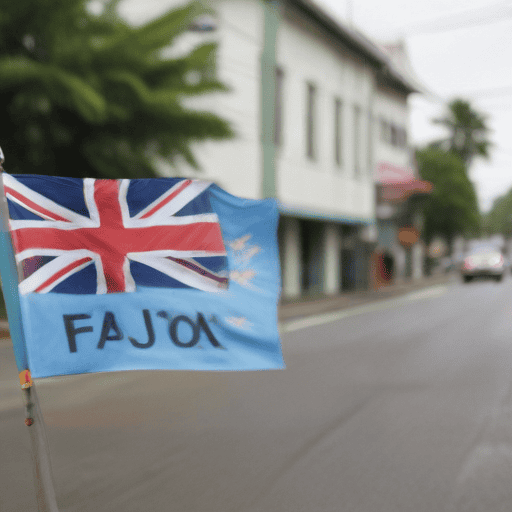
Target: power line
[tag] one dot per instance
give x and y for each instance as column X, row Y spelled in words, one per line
column 500, row 11
column 458, row 26
column 490, row 92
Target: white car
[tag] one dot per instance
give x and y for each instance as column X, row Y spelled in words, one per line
column 483, row 262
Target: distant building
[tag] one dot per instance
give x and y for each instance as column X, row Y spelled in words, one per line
column 400, row 252
column 318, row 110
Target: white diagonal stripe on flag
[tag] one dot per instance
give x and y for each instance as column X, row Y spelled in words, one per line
column 176, row 254
column 44, row 202
column 90, row 202
column 184, row 197
column 48, row 272
column 160, row 200
column 158, row 220
column 178, row 272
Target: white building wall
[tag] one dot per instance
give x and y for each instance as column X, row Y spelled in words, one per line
column 236, row 164
column 307, row 56
column 392, row 108
column 233, row 164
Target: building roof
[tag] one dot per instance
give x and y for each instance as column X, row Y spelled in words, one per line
column 382, row 58
column 397, row 52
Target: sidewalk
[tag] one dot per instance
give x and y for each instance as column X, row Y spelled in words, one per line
column 4, row 329
column 308, row 307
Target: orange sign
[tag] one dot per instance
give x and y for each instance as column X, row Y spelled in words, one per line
column 408, row 236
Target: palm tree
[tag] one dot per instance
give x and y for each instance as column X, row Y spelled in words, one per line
column 86, row 94
column 468, row 132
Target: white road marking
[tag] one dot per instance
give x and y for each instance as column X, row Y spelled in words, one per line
column 333, row 316
column 427, row 293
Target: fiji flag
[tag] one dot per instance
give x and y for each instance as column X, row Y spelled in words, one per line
column 143, row 274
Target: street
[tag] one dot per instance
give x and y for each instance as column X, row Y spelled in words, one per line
column 400, row 405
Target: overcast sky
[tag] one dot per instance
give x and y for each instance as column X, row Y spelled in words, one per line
column 456, row 48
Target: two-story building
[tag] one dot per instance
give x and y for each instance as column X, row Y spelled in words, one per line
column 316, row 107
column 400, row 252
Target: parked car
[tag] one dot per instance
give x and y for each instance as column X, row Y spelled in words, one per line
column 484, row 262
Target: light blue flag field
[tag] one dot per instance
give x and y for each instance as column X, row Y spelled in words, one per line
column 143, row 274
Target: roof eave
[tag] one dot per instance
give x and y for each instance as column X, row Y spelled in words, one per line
column 352, row 39
column 359, row 44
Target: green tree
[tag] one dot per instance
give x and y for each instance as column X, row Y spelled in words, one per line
column 468, row 132
column 499, row 218
column 89, row 95
column 451, row 209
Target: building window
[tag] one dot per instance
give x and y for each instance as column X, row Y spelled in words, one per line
column 357, row 140
column 369, row 151
column 278, row 108
column 310, row 122
column 384, row 131
column 338, row 135
column 394, row 135
column 402, row 137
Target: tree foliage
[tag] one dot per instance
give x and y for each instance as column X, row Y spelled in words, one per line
column 452, row 208
column 468, row 131
column 90, row 95
column 499, row 218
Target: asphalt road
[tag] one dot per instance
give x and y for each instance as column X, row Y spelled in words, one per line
column 402, row 405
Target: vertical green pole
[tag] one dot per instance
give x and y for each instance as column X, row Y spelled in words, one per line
column 271, row 21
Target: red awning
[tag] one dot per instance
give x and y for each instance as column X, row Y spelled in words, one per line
column 402, row 191
column 399, row 183
column 389, row 173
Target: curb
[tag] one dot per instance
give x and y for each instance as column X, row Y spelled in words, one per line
column 318, row 305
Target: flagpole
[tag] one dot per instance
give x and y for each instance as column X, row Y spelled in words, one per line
column 10, row 273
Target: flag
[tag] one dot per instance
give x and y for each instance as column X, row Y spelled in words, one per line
column 165, row 273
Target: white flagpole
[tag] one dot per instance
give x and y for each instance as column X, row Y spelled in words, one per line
column 45, row 493
column 43, row 479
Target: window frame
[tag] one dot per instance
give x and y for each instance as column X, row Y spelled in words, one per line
column 311, row 102
column 358, row 114
column 338, row 132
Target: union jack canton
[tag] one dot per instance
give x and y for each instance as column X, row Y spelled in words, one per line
column 87, row 236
